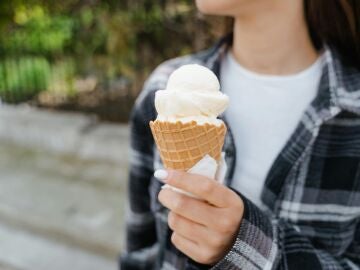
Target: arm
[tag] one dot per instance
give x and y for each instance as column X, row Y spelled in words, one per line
column 228, row 231
column 263, row 243
column 141, row 247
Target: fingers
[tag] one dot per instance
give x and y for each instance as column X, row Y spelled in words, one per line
column 186, row 246
column 190, row 208
column 196, row 252
column 201, row 186
column 195, row 232
column 186, row 227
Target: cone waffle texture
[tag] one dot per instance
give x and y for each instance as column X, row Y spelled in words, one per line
column 182, row 145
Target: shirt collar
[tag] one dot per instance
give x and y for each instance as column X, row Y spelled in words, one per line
column 342, row 82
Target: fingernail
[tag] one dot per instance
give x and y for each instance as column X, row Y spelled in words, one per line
column 161, row 175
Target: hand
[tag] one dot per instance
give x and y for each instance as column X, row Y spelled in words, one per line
column 204, row 229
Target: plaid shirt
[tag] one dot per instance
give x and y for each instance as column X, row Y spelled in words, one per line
column 311, row 195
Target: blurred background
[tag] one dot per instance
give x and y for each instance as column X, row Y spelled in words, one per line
column 70, row 71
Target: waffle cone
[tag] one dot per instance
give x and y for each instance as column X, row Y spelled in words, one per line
column 182, row 145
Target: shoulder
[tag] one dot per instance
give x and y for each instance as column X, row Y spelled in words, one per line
column 159, row 77
column 144, row 107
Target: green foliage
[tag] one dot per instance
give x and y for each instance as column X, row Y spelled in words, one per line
column 35, row 31
column 107, row 39
column 62, row 78
column 23, row 78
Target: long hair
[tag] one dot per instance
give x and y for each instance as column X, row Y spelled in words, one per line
column 334, row 22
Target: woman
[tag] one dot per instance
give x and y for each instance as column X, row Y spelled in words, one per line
column 292, row 197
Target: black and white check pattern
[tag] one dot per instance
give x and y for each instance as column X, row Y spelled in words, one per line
column 311, row 194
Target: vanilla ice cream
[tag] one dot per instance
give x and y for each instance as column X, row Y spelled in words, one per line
column 192, row 94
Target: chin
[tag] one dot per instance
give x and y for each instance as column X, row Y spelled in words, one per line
column 220, row 7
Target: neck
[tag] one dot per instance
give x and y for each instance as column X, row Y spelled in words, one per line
column 274, row 42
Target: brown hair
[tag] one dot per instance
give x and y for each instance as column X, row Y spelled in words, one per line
column 334, row 22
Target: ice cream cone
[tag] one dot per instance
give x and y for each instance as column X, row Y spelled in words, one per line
column 182, row 145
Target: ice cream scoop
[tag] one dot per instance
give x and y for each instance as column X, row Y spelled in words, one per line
column 192, row 94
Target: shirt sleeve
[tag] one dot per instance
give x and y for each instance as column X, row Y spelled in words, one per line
column 265, row 243
column 141, row 239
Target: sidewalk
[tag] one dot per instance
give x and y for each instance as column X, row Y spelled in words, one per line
column 66, row 133
column 61, row 207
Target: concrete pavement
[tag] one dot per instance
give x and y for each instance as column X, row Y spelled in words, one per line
column 61, row 207
column 64, row 132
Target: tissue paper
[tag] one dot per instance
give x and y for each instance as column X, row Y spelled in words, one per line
column 207, row 167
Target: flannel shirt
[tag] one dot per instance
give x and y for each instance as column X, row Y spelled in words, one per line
column 311, row 195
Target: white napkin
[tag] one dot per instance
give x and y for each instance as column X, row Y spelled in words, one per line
column 208, row 167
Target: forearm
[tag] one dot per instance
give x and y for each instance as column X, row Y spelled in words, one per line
column 265, row 243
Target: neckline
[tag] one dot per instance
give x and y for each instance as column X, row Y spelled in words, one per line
column 314, row 68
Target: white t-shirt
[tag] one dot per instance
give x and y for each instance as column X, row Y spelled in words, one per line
column 264, row 111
